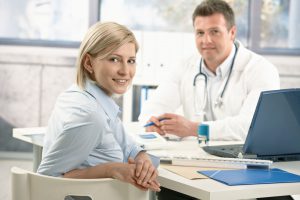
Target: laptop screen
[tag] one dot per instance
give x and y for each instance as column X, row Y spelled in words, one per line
column 275, row 127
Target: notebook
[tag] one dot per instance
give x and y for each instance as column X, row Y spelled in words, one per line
column 274, row 133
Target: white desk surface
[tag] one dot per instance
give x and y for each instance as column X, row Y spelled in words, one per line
column 33, row 135
column 205, row 189
column 208, row 189
column 213, row 190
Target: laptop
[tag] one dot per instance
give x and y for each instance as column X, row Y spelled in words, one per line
column 274, row 133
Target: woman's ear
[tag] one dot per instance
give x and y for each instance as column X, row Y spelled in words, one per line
column 87, row 63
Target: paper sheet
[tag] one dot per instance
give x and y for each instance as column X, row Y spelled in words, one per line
column 188, row 171
column 185, row 171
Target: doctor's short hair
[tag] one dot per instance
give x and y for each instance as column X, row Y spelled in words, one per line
column 100, row 41
column 210, row 7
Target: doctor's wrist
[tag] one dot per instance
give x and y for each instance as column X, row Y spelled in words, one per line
column 194, row 128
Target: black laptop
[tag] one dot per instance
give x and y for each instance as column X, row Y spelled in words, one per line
column 274, row 133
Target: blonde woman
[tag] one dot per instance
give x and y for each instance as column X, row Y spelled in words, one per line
column 85, row 137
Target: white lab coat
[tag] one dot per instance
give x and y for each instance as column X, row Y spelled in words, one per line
column 251, row 74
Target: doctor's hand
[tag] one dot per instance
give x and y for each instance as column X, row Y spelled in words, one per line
column 177, row 125
column 156, row 126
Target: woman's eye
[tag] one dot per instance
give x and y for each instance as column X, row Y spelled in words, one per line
column 114, row 60
column 131, row 61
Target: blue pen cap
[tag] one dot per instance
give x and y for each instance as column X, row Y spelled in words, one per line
column 203, row 131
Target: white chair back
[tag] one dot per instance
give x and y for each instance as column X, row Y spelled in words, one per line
column 28, row 185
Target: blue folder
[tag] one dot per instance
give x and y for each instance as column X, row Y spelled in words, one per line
column 251, row 176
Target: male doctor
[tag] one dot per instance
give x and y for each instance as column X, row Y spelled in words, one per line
column 220, row 86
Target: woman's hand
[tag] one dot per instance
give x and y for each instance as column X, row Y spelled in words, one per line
column 123, row 172
column 126, row 172
column 145, row 172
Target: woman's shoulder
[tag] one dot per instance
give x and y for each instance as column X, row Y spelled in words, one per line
column 76, row 99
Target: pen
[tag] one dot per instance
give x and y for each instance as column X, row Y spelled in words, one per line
column 152, row 123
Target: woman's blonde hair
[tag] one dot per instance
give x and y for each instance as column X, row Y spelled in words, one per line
column 101, row 40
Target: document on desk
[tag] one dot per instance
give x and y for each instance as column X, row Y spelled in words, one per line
column 185, row 171
column 150, row 140
column 251, row 176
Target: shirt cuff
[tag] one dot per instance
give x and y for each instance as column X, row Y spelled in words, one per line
column 134, row 151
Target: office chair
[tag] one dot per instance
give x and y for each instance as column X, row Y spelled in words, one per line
column 28, row 185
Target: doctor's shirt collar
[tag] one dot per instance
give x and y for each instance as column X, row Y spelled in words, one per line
column 224, row 68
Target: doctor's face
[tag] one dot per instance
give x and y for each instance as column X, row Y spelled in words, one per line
column 115, row 72
column 213, row 39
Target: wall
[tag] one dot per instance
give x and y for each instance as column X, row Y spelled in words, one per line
column 29, row 84
column 289, row 70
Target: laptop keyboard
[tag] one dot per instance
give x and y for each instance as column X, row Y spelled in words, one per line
column 229, row 151
column 233, row 151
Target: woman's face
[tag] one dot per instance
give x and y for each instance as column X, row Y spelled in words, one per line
column 115, row 72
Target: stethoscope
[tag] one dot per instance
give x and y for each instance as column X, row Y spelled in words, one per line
column 201, row 76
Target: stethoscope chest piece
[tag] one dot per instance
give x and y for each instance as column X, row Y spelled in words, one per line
column 218, row 102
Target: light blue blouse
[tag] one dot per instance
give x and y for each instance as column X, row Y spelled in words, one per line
column 84, row 130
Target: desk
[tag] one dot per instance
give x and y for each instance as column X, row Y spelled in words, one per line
column 33, row 136
column 208, row 189
column 205, row 189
